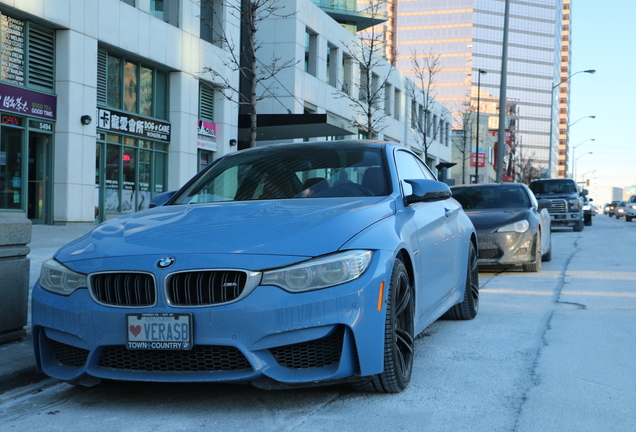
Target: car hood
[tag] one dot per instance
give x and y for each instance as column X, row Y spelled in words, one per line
column 495, row 218
column 301, row 227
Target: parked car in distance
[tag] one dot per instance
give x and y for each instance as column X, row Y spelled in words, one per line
column 620, row 209
column 630, row 210
column 612, row 208
column 511, row 228
column 264, row 269
column 589, row 210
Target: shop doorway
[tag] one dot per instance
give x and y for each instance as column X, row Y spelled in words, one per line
column 38, row 194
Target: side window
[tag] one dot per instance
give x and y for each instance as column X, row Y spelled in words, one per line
column 410, row 168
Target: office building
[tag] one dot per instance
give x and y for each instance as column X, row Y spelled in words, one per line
column 467, row 35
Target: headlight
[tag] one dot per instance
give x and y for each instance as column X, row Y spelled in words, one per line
column 519, row 226
column 321, row 272
column 586, row 207
column 574, row 204
column 58, row 279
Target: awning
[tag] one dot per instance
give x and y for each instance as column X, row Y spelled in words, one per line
column 272, row 127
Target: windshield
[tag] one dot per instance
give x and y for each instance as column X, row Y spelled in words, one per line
column 553, row 187
column 300, row 171
column 491, row 197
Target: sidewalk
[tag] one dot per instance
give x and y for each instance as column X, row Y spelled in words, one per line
column 17, row 364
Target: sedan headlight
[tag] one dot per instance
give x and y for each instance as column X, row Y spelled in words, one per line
column 58, row 279
column 321, row 272
column 519, row 226
column 586, row 207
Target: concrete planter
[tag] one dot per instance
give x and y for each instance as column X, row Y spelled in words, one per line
column 15, row 234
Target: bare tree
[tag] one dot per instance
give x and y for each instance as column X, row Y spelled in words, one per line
column 464, row 122
column 244, row 58
column 424, row 70
column 375, row 71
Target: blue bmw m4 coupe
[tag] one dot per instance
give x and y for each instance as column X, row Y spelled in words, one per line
column 285, row 265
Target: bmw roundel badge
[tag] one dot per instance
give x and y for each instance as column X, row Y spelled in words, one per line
column 165, row 263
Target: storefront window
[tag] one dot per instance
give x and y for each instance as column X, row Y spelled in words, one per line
column 160, row 173
column 134, row 172
column 113, row 168
column 145, row 164
column 129, row 163
column 11, row 168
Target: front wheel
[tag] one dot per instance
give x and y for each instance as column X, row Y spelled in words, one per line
column 578, row 227
column 536, row 265
column 399, row 337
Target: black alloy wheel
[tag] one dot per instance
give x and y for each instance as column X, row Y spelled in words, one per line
column 399, row 337
column 468, row 308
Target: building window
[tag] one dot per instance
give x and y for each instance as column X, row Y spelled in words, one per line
column 130, row 2
column 131, row 86
column 166, row 10
column 206, row 102
column 211, row 21
column 388, row 96
column 311, row 40
column 332, row 62
column 397, row 102
column 347, row 74
column 28, row 54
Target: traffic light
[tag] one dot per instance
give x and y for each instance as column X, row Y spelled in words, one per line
column 587, row 182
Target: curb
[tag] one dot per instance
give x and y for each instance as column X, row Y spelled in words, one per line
column 17, row 365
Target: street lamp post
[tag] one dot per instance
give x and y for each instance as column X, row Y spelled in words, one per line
column 574, row 152
column 576, row 160
column 573, row 123
column 481, row 72
column 590, row 71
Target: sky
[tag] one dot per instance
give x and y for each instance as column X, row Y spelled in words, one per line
column 603, row 37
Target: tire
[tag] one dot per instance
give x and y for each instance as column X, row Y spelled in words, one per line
column 399, row 337
column 628, row 218
column 469, row 306
column 547, row 257
column 536, row 265
column 587, row 220
column 578, row 227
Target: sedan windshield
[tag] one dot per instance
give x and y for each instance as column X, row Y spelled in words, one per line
column 299, row 171
column 491, row 197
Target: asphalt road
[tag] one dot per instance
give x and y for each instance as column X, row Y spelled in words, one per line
column 549, row 351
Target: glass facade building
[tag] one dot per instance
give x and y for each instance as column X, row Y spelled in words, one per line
column 467, row 35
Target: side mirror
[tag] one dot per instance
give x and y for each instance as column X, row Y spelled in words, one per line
column 161, row 199
column 427, row 191
column 584, row 192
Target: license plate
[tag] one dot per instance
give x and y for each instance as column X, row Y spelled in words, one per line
column 159, row 331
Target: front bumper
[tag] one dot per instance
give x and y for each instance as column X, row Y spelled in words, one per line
column 295, row 339
column 508, row 248
column 565, row 219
